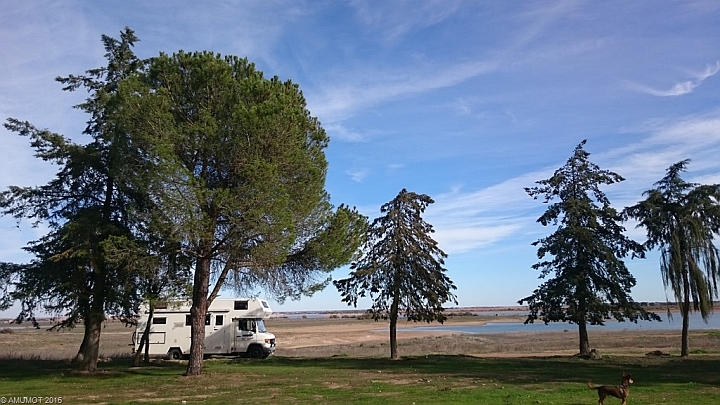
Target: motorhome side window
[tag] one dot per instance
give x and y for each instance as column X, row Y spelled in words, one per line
column 159, row 321
column 247, row 325
column 265, row 304
column 218, row 320
column 241, row 305
column 188, row 320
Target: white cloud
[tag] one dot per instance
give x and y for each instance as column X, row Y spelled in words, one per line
column 357, row 175
column 468, row 220
column 341, row 132
column 341, row 95
column 668, row 142
column 344, row 96
column 465, row 221
column 454, row 240
column 684, row 87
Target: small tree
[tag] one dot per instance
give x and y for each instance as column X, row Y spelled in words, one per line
column 591, row 282
column 401, row 268
column 682, row 219
column 162, row 273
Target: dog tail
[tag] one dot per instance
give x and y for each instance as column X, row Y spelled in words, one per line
column 589, row 384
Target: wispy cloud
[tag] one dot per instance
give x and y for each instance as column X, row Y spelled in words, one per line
column 657, row 145
column 394, row 19
column 336, row 101
column 357, row 175
column 684, row 87
column 470, row 219
column 343, row 94
column 335, row 130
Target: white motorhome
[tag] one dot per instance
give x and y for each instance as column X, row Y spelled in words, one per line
column 232, row 327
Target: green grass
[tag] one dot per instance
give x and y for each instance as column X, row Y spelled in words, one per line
column 347, row 380
column 714, row 333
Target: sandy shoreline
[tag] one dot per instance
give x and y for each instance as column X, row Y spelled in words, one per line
column 296, row 333
column 341, row 327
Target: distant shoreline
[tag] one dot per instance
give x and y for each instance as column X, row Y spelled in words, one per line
column 652, row 306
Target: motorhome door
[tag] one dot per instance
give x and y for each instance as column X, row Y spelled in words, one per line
column 215, row 340
column 244, row 334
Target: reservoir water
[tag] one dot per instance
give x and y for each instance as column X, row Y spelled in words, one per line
column 696, row 323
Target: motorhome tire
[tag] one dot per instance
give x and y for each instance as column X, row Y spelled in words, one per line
column 174, row 354
column 255, row 352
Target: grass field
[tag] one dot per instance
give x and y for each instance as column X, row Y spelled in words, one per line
column 419, row 380
column 502, row 369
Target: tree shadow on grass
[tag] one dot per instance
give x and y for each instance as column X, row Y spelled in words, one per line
column 531, row 370
column 525, row 370
column 27, row 369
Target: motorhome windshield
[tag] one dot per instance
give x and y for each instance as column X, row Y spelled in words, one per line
column 261, row 326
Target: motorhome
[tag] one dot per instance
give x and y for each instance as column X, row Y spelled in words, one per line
column 232, row 327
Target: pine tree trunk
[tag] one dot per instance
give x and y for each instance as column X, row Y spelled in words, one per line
column 93, row 327
column 197, row 316
column 144, row 340
column 140, row 349
column 393, row 339
column 87, row 357
column 393, row 329
column 584, row 340
column 83, row 346
column 83, row 304
column 147, row 333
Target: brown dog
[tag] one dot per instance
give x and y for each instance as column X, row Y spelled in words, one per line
column 618, row 391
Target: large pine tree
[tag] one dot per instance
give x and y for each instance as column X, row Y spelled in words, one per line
column 85, row 206
column 401, row 268
column 591, row 283
column 239, row 174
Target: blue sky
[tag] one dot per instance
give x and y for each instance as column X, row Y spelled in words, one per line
column 466, row 101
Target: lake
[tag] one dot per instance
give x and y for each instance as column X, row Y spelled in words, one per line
column 696, row 323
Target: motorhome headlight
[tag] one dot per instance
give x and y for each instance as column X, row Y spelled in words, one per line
column 268, row 341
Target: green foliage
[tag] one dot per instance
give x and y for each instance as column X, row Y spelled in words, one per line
column 85, row 205
column 240, row 167
column 106, row 249
column 327, row 241
column 238, row 175
column 401, row 268
column 682, row 220
column 591, row 282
